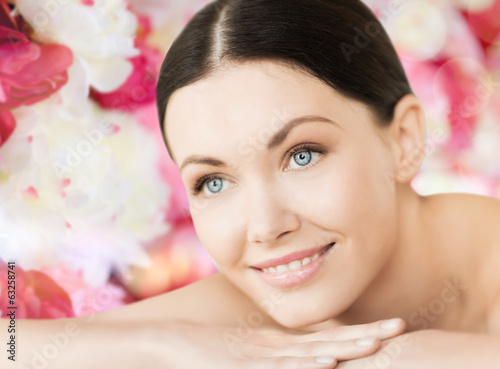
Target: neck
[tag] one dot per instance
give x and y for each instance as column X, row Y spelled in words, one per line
column 412, row 282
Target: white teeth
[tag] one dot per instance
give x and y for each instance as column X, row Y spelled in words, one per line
column 281, row 268
column 296, row 264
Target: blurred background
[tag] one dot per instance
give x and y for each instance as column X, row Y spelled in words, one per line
column 93, row 211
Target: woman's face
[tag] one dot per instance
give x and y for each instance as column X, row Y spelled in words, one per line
column 275, row 189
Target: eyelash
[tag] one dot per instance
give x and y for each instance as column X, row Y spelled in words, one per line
column 313, row 148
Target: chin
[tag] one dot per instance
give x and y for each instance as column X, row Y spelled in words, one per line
column 292, row 322
column 305, row 316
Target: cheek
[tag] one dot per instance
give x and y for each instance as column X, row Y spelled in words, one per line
column 370, row 213
column 350, row 196
column 216, row 229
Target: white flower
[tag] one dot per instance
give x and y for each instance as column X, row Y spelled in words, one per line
column 80, row 185
column 100, row 35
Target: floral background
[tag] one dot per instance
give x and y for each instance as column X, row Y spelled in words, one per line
column 93, row 211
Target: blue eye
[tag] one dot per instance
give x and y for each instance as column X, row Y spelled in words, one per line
column 215, row 185
column 302, row 158
column 212, row 183
column 302, row 155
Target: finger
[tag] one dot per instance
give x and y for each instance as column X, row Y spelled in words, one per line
column 340, row 350
column 291, row 362
column 382, row 329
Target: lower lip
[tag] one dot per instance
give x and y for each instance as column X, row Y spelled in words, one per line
column 296, row 276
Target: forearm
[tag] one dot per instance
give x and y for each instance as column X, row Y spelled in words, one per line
column 433, row 349
column 85, row 342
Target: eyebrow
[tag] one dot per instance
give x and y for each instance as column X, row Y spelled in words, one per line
column 276, row 139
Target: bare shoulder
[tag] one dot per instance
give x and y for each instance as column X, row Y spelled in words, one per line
column 471, row 208
column 475, row 220
column 212, row 300
column 472, row 218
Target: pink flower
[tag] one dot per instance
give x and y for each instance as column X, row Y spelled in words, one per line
column 486, row 23
column 86, row 299
column 460, row 80
column 140, row 87
column 37, row 296
column 30, row 72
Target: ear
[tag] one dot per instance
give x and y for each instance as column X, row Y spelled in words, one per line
column 408, row 138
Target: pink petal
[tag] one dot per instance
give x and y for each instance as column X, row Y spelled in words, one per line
column 15, row 56
column 53, row 59
column 38, row 78
column 7, row 125
column 26, row 95
column 486, row 24
column 8, row 35
column 139, row 89
column 38, row 296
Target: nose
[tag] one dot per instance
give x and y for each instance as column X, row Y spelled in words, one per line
column 269, row 214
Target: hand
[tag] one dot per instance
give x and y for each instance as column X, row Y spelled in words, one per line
column 192, row 345
column 393, row 353
column 432, row 349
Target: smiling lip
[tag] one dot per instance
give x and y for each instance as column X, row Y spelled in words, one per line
column 297, row 276
column 290, row 257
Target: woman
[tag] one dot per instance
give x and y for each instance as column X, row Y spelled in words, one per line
column 297, row 135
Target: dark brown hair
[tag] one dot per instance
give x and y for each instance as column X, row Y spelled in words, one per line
column 341, row 42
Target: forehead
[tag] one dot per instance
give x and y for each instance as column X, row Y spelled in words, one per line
column 243, row 100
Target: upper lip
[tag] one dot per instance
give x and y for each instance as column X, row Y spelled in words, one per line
column 290, row 257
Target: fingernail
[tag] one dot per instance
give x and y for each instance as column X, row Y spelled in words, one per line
column 363, row 342
column 390, row 324
column 325, row 360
